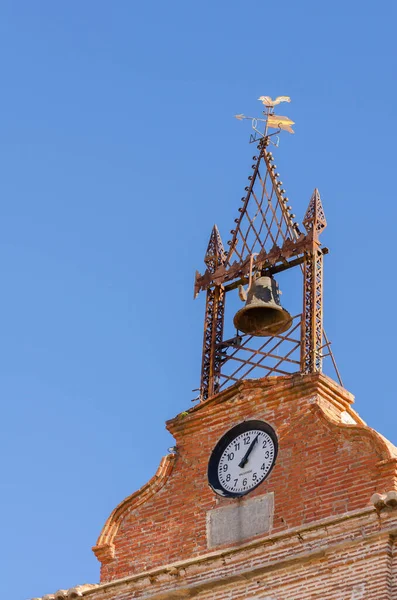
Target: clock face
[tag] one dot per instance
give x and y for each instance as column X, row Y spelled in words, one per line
column 242, row 458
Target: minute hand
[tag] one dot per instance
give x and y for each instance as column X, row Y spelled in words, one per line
column 244, row 460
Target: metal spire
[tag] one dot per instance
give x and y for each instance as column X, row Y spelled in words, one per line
column 314, row 218
column 215, row 255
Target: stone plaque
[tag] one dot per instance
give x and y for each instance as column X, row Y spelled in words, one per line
column 240, row 521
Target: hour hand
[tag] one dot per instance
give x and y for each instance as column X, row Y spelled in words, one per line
column 244, row 460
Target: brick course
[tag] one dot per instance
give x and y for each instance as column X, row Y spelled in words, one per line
column 349, row 557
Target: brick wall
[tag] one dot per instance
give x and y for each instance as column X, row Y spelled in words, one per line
column 325, row 469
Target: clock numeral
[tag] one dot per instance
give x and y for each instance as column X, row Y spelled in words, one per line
column 236, row 446
column 225, row 468
column 247, row 440
column 228, row 477
column 245, row 481
column 254, row 476
column 230, row 456
column 235, row 482
column 264, row 444
column 263, row 467
column 267, row 454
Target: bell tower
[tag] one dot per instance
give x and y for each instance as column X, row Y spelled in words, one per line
column 275, row 489
column 266, row 240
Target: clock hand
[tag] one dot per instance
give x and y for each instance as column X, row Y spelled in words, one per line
column 244, row 460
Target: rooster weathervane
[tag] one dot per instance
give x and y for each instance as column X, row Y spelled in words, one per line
column 271, row 120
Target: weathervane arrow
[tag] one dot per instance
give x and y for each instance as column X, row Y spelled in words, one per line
column 241, row 117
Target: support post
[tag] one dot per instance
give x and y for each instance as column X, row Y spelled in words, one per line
column 213, row 335
column 312, row 318
column 213, row 321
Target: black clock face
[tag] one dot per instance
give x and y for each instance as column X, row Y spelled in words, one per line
column 242, row 458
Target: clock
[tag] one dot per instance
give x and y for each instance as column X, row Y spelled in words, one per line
column 242, row 458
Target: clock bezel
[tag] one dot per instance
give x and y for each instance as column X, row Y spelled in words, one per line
column 245, row 426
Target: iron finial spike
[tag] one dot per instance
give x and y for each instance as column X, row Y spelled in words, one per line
column 215, row 231
column 315, row 216
column 215, row 255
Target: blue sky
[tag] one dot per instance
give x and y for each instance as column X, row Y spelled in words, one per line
column 118, row 152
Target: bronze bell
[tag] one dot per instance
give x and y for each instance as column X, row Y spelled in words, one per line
column 262, row 314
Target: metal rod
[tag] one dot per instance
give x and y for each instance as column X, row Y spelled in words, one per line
column 266, row 271
column 333, row 360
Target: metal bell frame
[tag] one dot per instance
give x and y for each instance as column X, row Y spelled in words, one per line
column 265, row 229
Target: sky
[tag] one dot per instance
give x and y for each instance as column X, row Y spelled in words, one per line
column 118, row 153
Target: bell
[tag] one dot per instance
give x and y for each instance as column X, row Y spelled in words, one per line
column 263, row 314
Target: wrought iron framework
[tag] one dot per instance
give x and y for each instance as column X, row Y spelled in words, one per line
column 312, row 322
column 214, row 318
column 265, row 240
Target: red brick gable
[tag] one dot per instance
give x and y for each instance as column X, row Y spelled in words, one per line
column 325, row 467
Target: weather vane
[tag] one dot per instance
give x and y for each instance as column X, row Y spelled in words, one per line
column 270, row 120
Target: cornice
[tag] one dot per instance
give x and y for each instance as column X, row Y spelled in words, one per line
column 287, row 387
